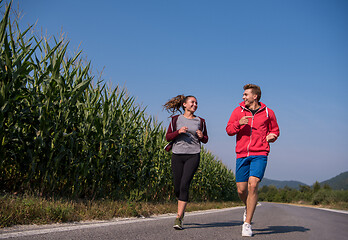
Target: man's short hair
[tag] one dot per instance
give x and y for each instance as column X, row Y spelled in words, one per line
column 254, row 89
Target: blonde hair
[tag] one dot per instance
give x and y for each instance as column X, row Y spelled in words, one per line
column 174, row 104
column 254, row 89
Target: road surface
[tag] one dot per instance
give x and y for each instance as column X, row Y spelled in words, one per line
column 271, row 221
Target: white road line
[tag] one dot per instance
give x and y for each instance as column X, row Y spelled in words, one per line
column 105, row 224
column 324, row 209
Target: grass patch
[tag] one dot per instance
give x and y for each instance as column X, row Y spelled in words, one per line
column 335, row 206
column 26, row 209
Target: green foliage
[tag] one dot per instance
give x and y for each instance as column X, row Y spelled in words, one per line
column 62, row 135
column 341, row 196
column 339, row 182
column 322, row 197
column 329, row 196
column 316, row 186
column 305, row 193
column 268, row 193
column 313, row 195
column 213, row 180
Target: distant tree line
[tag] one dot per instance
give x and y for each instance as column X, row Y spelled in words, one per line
column 315, row 195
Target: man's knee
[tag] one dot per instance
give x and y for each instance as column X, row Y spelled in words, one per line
column 241, row 191
column 253, row 184
column 242, row 188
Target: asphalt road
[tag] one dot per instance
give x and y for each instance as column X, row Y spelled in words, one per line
column 271, row 221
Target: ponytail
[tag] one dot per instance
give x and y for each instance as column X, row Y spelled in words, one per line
column 174, row 104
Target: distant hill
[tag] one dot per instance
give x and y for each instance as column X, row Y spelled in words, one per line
column 281, row 184
column 339, row 182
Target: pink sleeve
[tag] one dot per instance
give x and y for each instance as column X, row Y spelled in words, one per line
column 273, row 125
column 233, row 126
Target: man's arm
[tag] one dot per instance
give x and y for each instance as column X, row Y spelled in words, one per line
column 273, row 128
column 233, row 125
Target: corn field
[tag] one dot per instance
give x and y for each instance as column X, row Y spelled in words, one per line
column 63, row 135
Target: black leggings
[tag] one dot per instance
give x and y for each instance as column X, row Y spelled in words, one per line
column 184, row 167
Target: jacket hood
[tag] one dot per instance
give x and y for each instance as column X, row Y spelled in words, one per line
column 242, row 104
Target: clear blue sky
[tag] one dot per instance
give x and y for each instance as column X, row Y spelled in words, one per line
column 295, row 50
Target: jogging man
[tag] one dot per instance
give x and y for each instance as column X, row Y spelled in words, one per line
column 256, row 127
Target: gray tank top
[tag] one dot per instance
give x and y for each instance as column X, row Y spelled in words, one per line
column 187, row 143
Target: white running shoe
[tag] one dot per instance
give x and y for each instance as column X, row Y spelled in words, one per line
column 244, row 214
column 246, row 230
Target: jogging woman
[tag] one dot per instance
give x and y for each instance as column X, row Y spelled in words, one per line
column 185, row 133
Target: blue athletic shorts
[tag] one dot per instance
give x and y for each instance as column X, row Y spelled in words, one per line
column 250, row 166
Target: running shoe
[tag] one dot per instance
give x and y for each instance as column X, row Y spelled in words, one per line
column 178, row 224
column 246, row 230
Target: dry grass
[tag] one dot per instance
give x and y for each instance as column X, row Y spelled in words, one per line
column 335, row 206
column 19, row 210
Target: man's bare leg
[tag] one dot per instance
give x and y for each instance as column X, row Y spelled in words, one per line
column 242, row 188
column 252, row 197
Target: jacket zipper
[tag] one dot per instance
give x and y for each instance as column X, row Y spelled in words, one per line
column 251, row 130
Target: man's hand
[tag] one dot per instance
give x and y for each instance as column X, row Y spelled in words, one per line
column 199, row 134
column 183, row 130
column 271, row 137
column 244, row 120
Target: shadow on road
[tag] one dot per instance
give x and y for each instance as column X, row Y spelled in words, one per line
column 213, row 224
column 280, row 229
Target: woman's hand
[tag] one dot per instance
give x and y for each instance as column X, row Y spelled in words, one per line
column 199, row 134
column 183, row 130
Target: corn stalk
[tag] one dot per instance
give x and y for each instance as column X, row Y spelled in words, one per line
column 63, row 136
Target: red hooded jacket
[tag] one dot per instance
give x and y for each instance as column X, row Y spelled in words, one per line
column 251, row 138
